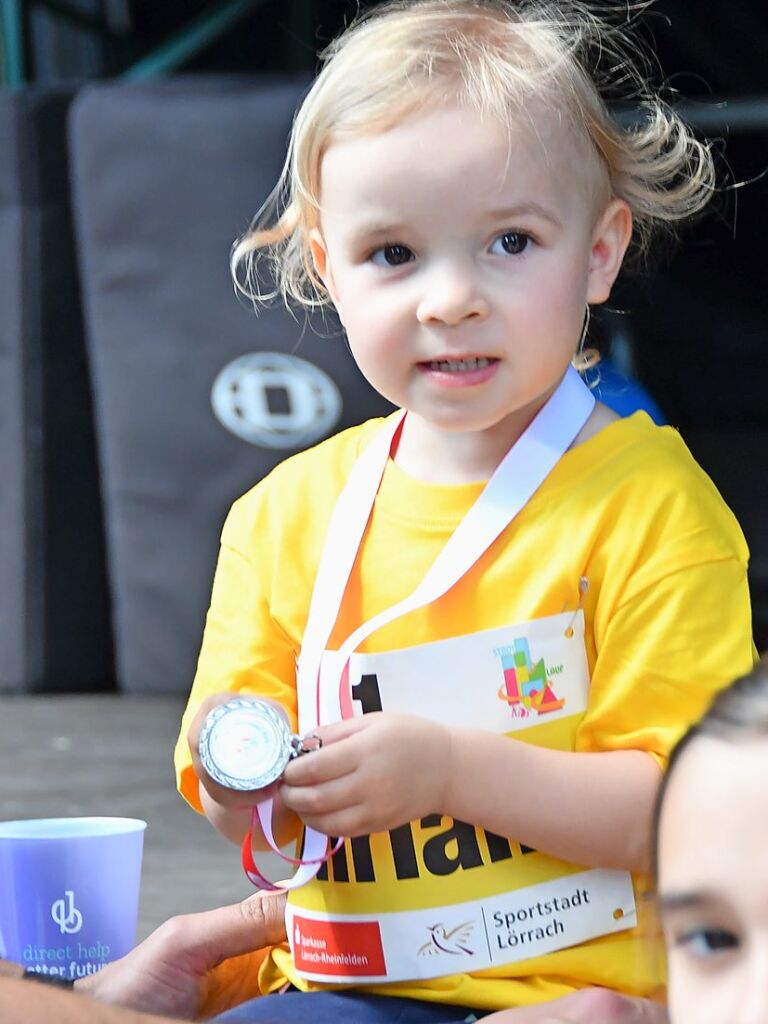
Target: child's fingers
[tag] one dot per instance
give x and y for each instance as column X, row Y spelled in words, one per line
column 318, row 766
column 350, row 822
column 326, row 798
column 336, row 731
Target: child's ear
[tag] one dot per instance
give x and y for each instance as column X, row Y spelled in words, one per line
column 322, row 265
column 610, row 239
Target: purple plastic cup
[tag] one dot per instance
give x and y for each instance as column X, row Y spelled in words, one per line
column 69, row 892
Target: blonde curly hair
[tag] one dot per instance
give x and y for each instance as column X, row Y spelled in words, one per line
column 497, row 57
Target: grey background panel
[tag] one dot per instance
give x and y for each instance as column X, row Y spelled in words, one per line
column 14, row 564
column 54, row 631
column 165, row 177
column 21, row 568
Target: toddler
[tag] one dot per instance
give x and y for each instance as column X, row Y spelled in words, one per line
column 499, row 608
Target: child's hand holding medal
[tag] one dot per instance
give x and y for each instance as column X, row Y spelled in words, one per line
column 373, row 773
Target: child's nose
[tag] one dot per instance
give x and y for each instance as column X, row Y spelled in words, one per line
column 450, row 296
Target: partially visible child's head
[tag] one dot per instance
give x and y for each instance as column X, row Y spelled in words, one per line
column 510, row 61
column 713, row 861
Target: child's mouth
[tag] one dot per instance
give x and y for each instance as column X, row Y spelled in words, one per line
column 460, row 365
column 466, row 371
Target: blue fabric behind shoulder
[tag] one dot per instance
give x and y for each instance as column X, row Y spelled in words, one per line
column 623, row 394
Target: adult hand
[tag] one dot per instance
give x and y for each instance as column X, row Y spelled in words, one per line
column 371, row 774
column 174, row 971
column 8, row 969
column 588, row 1006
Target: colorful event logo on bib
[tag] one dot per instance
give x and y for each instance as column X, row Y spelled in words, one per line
column 526, row 687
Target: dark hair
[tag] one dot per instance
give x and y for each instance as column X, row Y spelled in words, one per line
column 739, row 712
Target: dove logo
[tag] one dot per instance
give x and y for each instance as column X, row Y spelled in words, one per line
column 454, row 941
column 66, row 915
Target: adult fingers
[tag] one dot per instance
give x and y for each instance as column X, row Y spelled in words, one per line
column 239, row 928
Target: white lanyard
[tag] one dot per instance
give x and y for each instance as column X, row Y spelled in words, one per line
column 517, row 477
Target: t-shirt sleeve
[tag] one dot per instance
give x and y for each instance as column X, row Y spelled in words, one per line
column 664, row 652
column 243, row 648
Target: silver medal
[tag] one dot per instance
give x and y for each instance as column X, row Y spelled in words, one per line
column 246, row 744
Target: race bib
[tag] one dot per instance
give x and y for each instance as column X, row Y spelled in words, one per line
column 439, row 896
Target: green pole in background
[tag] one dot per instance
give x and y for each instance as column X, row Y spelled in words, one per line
column 190, row 41
column 13, row 43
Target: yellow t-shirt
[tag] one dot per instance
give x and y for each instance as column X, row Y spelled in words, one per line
column 667, row 622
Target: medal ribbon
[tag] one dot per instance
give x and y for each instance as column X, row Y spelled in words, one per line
column 517, row 477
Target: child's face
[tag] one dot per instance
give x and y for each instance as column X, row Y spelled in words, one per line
column 461, row 259
column 713, row 883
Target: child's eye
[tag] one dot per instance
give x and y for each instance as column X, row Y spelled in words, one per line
column 392, row 256
column 511, row 243
column 708, row 942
